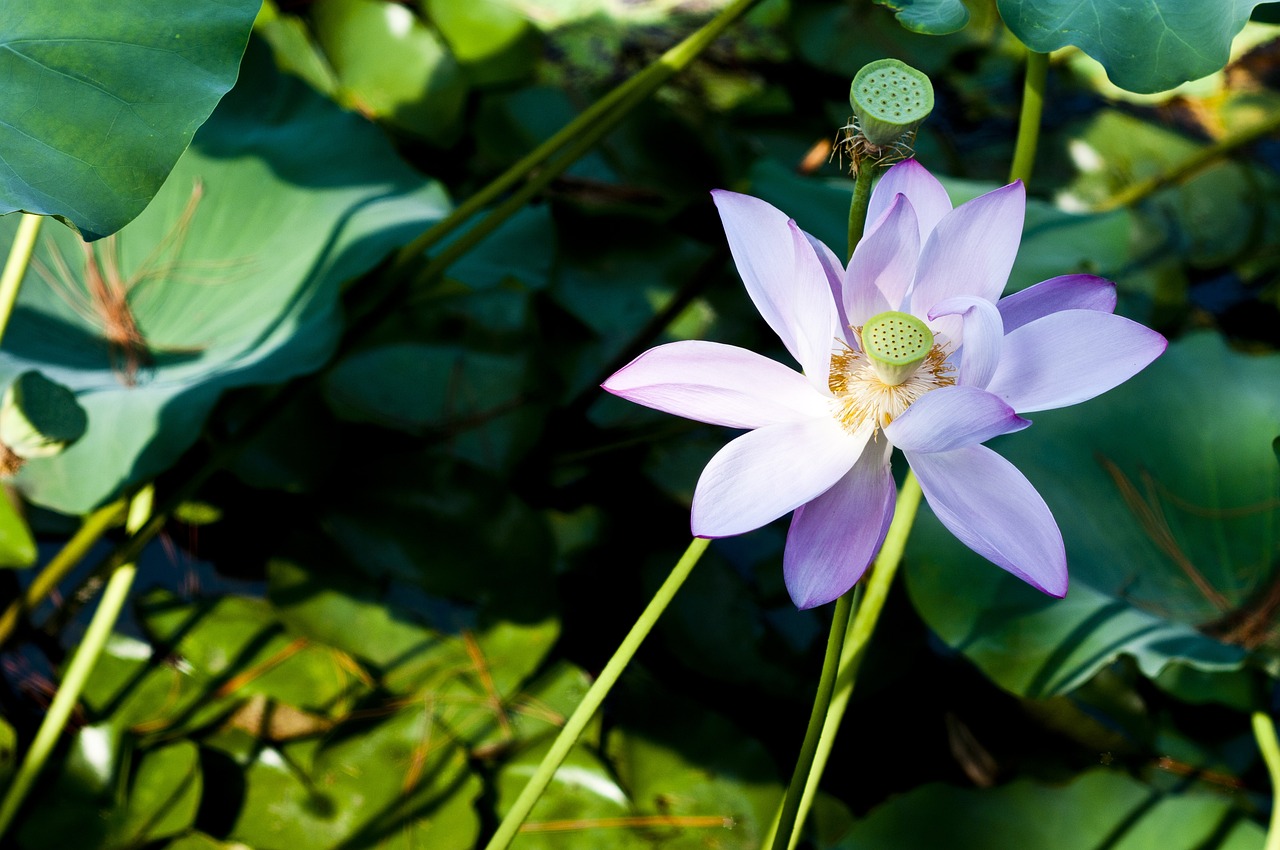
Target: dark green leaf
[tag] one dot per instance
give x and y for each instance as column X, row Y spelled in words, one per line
column 931, row 17
column 1145, row 47
column 1098, row 809
column 101, row 99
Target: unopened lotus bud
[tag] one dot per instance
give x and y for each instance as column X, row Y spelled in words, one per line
column 39, row 418
column 889, row 100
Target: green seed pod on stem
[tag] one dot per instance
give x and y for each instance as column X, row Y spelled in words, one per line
column 889, row 100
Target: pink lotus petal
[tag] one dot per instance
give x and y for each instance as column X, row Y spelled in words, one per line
column 769, row 472
column 980, row 336
column 1070, row 356
column 971, row 250
column 952, row 417
column 783, row 276
column 883, row 264
column 834, row 537
column 1067, row 292
column 922, row 189
column 992, row 508
column 719, row 384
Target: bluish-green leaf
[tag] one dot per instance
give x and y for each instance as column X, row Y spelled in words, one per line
column 931, row 17
column 1165, row 490
column 100, row 99
column 1145, row 46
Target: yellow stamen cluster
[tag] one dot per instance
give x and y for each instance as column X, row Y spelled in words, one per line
column 862, row 398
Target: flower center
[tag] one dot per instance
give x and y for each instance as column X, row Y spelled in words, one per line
column 898, row 362
column 896, row 344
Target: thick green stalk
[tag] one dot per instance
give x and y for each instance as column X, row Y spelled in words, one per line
column 788, row 822
column 1024, row 152
column 597, row 120
column 82, row 663
column 861, row 628
column 60, row 565
column 858, row 205
column 577, row 722
column 1264, row 731
column 15, row 268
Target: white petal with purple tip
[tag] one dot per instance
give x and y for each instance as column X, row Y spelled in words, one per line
column 834, row 537
column 980, row 336
column 715, row 383
column 769, row 472
column 1066, row 292
column 992, row 508
column 953, row 417
column 1070, row 356
column 883, row 265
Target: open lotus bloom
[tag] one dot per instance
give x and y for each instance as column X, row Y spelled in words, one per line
column 910, row 346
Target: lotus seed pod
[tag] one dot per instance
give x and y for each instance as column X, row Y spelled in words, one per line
column 896, row 344
column 39, row 418
column 890, row 99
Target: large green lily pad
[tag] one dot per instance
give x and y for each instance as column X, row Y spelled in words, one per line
column 100, row 99
column 229, row 278
column 1165, row 490
column 1145, row 47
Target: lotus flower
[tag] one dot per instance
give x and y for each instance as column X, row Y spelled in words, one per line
column 909, row 346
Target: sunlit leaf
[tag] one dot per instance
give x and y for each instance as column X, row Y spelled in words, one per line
column 229, row 278
column 391, row 66
column 395, row 782
column 17, row 546
column 492, row 39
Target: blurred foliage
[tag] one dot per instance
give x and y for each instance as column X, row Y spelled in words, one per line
column 370, row 625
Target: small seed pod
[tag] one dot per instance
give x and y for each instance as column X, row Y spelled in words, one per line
column 38, row 418
column 889, row 100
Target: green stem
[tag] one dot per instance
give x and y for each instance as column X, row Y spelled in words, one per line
column 513, row 204
column 15, row 268
column 577, row 722
column 1264, row 731
column 787, row 819
column 94, row 526
column 858, row 205
column 1024, row 151
column 82, row 663
column 1198, row 161
column 860, row 630
column 596, row 121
